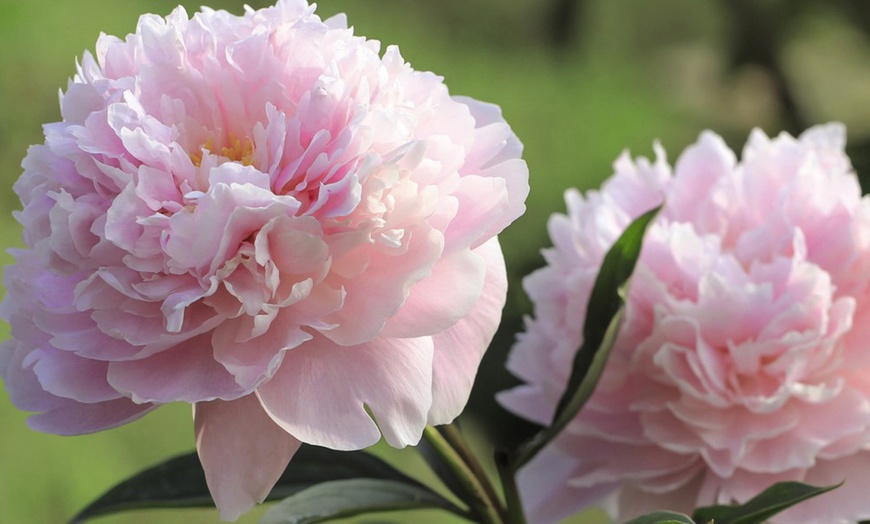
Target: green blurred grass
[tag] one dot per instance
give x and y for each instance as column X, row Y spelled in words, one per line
column 575, row 113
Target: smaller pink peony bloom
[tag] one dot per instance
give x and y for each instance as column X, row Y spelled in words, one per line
column 744, row 355
column 264, row 216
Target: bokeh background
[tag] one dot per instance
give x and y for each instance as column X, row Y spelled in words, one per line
column 579, row 81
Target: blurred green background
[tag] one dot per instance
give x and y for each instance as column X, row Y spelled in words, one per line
column 579, row 81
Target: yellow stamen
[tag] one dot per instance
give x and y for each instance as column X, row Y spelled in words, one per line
column 239, row 151
column 236, row 151
column 196, row 157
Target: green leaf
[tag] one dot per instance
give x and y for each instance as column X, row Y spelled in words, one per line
column 662, row 517
column 180, row 482
column 346, row 498
column 771, row 501
column 602, row 313
column 603, row 316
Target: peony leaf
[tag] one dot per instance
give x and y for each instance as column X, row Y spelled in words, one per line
column 771, row 501
column 662, row 517
column 180, row 482
column 346, row 498
column 603, row 317
column 603, row 314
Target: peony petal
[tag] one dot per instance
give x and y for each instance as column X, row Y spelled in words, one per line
column 243, row 452
column 321, row 392
column 698, row 170
column 187, row 373
column 459, row 349
column 266, row 216
column 25, row 391
column 503, row 161
column 75, row 418
column 252, row 360
column 67, row 375
column 739, row 361
column 377, row 294
column 478, row 219
column 543, row 490
column 529, row 402
column 425, row 312
column 633, row 502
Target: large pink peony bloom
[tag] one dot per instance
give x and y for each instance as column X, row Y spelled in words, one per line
column 744, row 355
column 262, row 216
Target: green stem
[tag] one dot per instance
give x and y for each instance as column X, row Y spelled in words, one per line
column 454, row 437
column 481, row 504
column 531, row 447
column 507, row 474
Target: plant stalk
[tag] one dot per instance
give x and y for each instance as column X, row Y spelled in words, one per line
column 453, row 436
column 507, row 473
column 482, row 505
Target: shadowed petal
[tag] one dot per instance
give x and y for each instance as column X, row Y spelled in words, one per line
column 75, row 418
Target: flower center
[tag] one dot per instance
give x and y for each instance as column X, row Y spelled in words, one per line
column 236, row 150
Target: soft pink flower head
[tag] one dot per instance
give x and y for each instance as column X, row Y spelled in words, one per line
column 265, row 217
column 744, row 354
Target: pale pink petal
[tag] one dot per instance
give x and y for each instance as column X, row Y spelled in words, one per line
column 258, row 202
column 528, row 402
column 321, row 392
column 243, row 452
column 498, row 159
column 24, row 389
column 252, row 360
column 545, row 495
column 379, row 292
column 67, row 375
column 459, row 349
column 494, row 142
column 425, row 312
column 698, row 170
column 475, row 214
column 633, row 502
column 740, row 361
column 188, row 373
column 75, row 418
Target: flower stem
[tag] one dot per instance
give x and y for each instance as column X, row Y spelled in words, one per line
column 480, row 492
column 507, row 473
column 453, row 436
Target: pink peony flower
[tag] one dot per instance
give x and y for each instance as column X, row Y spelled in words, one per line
column 744, row 356
column 262, row 216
